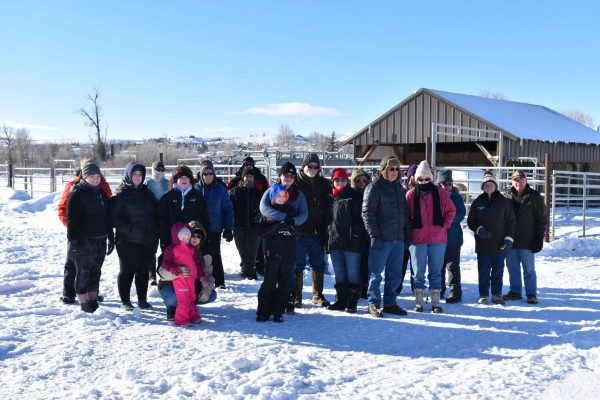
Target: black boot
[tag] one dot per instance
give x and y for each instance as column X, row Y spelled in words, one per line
column 353, row 296
column 289, row 309
column 342, row 298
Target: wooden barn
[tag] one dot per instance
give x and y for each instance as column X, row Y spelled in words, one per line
column 463, row 130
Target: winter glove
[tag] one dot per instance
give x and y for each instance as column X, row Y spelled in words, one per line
column 72, row 252
column 507, row 245
column 482, row 233
column 538, row 245
column 185, row 271
column 289, row 220
column 110, row 246
column 355, row 244
column 376, row 244
column 228, row 235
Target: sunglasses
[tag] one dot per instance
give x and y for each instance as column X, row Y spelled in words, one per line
column 289, row 176
column 312, row 166
column 160, row 169
column 423, row 180
column 340, row 180
column 361, row 180
column 446, row 183
column 393, row 169
column 207, row 173
column 198, row 235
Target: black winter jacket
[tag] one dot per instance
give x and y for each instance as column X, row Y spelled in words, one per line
column 171, row 210
column 530, row 212
column 496, row 216
column 317, row 192
column 246, row 206
column 347, row 229
column 88, row 214
column 385, row 211
column 134, row 214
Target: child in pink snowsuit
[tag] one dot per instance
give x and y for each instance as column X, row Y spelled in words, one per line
column 180, row 259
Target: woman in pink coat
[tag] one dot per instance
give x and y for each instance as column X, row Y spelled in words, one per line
column 180, row 258
column 431, row 213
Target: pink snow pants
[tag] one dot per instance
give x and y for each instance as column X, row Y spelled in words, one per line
column 186, row 297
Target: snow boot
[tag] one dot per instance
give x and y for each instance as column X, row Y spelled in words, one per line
column 289, row 308
column 89, row 306
column 317, row 286
column 353, row 296
column 127, row 306
column 498, row 299
column 342, row 298
column 144, row 305
column 277, row 318
column 375, row 311
column 419, row 296
column 298, row 285
column 435, row 301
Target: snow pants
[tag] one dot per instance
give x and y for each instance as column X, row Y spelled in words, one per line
column 186, row 299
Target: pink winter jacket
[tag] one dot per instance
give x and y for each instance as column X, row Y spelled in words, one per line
column 180, row 253
column 430, row 233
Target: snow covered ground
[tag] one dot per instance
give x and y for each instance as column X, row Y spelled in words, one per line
column 519, row 351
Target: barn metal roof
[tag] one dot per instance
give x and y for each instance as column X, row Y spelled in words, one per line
column 526, row 121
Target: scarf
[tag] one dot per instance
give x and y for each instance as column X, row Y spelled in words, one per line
column 437, row 208
column 183, row 193
column 336, row 192
column 84, row 184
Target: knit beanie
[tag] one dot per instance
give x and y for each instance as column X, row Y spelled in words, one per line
column 388, row 161
column 423, row 171
column 488, row 176
column 312, row 157
column 158, row 164
column 90, row 168
column 339, row 173
column 184, row 231
column 287, row 168
column 275, row 190
column 444, row 176
column 248, row 160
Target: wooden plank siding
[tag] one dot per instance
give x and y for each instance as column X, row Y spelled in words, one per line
column 409, row 123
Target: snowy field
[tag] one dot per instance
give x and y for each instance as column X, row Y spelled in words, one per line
column 518, row 351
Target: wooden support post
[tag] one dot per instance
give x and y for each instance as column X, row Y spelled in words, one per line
column 548, row 173
column 10, row 182
column 428, row 149
column 160, row 157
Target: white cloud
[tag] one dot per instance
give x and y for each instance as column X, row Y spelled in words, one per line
column 293, row 109
column 18, row 125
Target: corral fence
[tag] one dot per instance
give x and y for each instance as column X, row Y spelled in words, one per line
column 574, row 193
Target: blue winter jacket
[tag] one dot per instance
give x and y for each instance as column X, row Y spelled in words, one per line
column 455, row 233
column 220, row 209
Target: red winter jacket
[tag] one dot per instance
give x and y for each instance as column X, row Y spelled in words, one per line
column 431, row 233
column 62, row 204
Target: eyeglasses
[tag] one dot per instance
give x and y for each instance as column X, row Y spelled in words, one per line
column 393, row 169
column 340, row 180
column 312, row 166
column 423, row 180
column 446, row 184
column 207, row 173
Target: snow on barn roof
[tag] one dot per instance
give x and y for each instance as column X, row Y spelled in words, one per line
column 526, row 121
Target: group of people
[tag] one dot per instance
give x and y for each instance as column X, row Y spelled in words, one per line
column 371, row 230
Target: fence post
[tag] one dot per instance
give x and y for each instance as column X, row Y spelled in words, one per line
column 548, row 172
column 52, row 180
column 584, row 200
column 10, row 182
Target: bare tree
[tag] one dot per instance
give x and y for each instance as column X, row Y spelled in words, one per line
column 8, row 135
column 492, row 95
column 286, row 139
column 23, row 146
column 318, row 141
column 580, row 117
column 94, row 119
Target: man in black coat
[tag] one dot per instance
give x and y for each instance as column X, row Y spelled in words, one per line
column 317, row 191
column 530, row 212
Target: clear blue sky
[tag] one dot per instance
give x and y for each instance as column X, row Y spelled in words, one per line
column 233, row 68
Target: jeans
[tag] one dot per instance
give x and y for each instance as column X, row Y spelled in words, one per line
column 426, row 256
column 514, row 259
column 313, row 247
column 388, row 259
column 346, row 267
column 167, row 292
column 491, row 268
